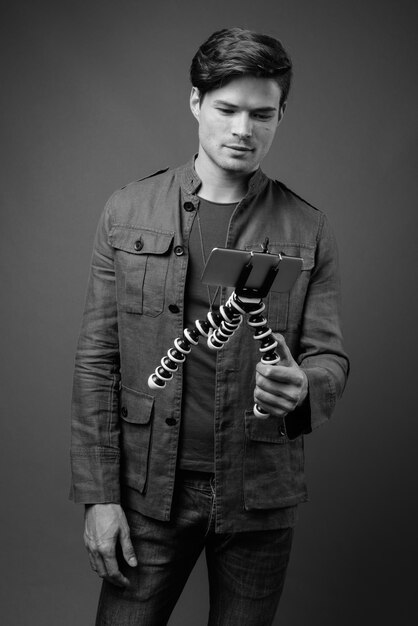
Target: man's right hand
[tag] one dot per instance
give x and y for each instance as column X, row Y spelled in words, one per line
column 104, row 525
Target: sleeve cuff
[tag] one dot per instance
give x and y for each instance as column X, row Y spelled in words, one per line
column 298, row 422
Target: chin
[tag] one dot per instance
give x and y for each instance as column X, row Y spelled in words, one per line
column 238, row 166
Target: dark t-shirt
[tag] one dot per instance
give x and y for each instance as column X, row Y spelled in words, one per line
column 199, row 369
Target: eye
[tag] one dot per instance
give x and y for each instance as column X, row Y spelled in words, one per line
column 262, row 116
column 225, row 111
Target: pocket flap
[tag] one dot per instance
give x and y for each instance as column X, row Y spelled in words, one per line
column 306, row 253
column 136, row 406
column 139, row 240
column 265, row 429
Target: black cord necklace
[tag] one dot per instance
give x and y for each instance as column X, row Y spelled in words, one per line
column 211, row 300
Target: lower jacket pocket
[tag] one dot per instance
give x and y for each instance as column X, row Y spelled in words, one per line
column 273, row 465
column 135, row 412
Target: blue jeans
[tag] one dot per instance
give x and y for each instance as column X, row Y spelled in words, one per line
column 246, row 570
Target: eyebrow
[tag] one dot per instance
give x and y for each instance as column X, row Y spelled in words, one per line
column 234, row 106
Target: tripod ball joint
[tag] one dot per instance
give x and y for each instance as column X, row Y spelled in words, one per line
column 259, row 412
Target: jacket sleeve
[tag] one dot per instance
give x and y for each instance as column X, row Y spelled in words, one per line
column 321, row 354
column 95, row 403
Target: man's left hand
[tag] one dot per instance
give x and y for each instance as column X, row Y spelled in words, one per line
column 283, row 387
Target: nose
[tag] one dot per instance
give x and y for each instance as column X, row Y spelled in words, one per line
column 242, row 126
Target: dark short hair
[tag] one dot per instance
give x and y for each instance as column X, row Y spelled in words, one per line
column 234, row 52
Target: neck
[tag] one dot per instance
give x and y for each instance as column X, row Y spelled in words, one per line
column 220, row 185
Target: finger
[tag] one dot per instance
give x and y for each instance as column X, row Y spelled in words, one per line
column 272, row 403
column 113, row 574
column 92, row 562
column 96, row 561
column 286, row 393
column 266, row 375
column 97, row 564
column 127, row 548
column 282, row 350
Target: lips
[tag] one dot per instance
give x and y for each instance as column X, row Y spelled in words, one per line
column 240, row 148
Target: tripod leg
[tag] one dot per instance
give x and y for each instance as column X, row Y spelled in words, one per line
column 264, row 334
column 229, row 322
column 177, row 355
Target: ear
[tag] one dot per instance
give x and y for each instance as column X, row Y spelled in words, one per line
column 281, row 112
column 195, row 102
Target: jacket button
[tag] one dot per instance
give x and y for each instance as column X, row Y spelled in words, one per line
column 178, row 250
column 138, row 245
column 188, row 206
column 171, row 421
column 173, row 308
column 124, row 411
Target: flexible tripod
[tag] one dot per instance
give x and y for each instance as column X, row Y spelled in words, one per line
column 218, row 328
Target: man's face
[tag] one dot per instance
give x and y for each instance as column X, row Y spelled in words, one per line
column 237, row 123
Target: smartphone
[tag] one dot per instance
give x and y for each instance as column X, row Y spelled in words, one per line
column 224, row 267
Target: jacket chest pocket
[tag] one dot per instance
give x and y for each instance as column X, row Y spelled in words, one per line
column 142, row 258
column 285, row 309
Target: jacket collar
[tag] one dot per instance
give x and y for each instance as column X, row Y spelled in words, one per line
column 190, row 181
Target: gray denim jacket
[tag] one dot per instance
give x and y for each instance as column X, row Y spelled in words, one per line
column 125, row 436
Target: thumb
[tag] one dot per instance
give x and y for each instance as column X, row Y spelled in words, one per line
column 283, row 351
column 128, row 549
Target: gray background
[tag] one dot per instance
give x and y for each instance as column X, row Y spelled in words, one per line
column 95, row 94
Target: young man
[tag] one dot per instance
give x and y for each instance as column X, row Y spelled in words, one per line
column 168, row 473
